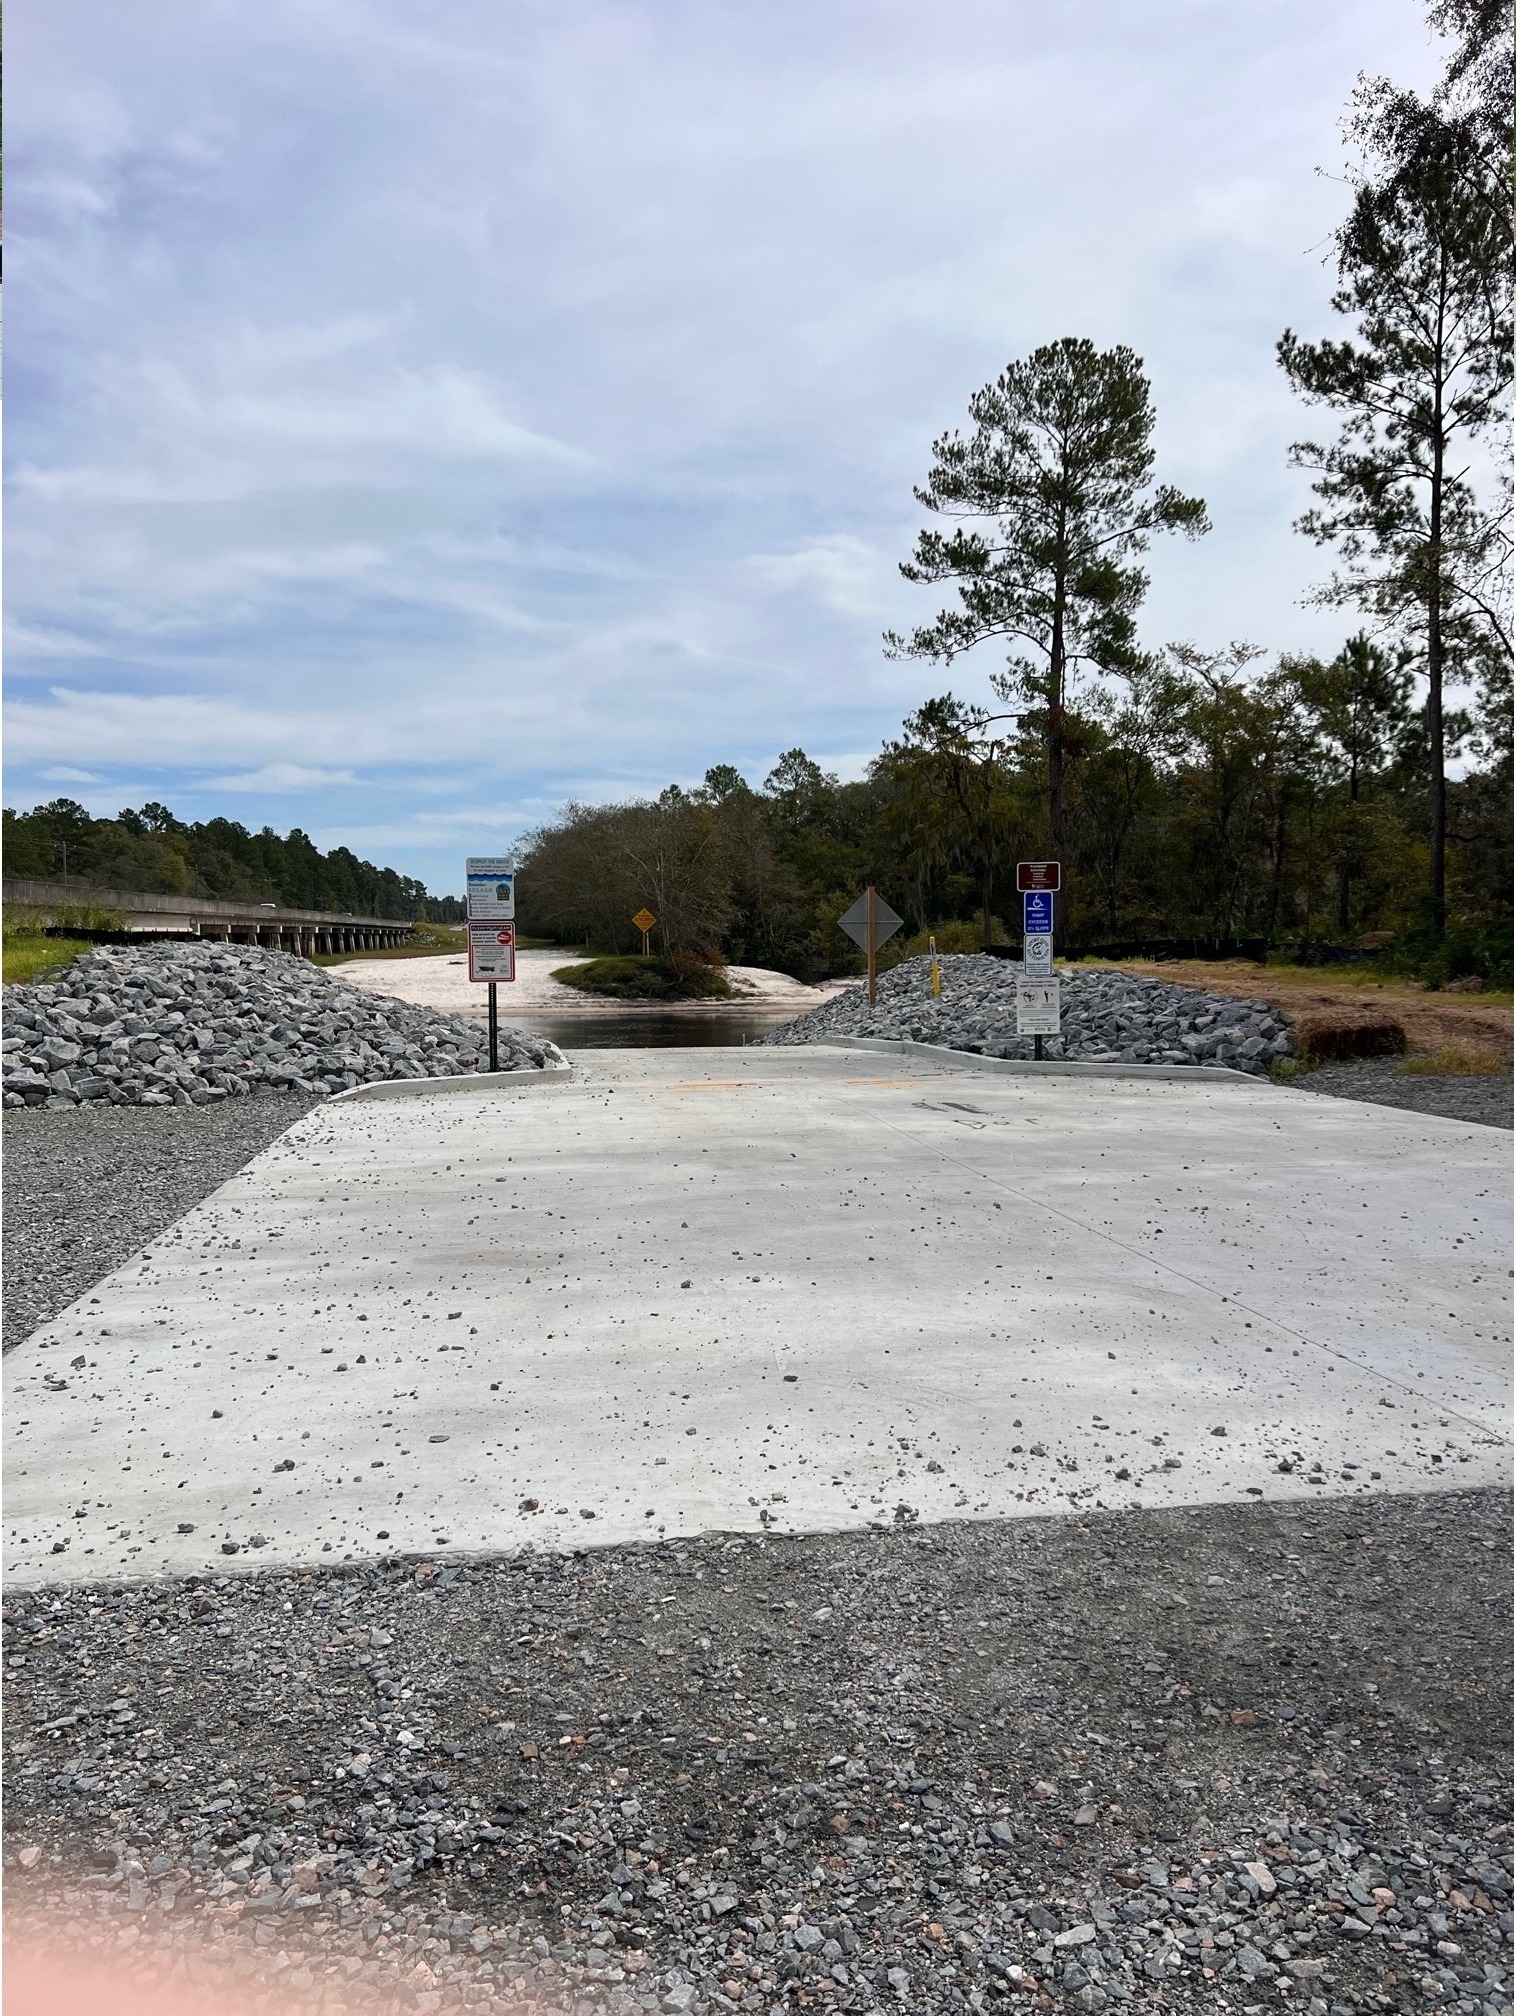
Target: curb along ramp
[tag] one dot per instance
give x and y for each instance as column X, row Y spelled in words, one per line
column 782, row 1290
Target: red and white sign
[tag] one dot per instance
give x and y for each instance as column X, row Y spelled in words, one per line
column 1038, row 875
column 492, row 951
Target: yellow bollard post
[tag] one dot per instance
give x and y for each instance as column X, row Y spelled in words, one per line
column 936, row 969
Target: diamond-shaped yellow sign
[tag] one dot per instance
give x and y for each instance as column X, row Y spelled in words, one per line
column 644, row 920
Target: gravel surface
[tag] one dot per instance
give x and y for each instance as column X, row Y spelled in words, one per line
column 1221, row 1759
column 1379, row 1080
column 86, row 1189
column 180, row 1025
column 1108, row 1016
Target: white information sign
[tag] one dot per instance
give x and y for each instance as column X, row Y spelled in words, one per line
column 492, row 951
column 1037, row 1006
column 1037, row 954
column 491, row 890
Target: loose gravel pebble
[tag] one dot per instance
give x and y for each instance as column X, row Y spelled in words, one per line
column 181, row 1025
column 1108, row 1017
column 1214, row 1759
column 86, row 1189
column 1486, row 1101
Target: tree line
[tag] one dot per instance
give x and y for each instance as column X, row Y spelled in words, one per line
column 1189, row 791
column 152, row 851
column 1210, row 800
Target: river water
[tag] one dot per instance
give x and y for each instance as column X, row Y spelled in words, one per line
column 685, row 1030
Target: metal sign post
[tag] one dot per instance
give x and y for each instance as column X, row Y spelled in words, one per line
column 869, row 922
column 1037, row 992
column 491, row 881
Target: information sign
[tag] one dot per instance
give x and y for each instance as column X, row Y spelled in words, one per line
column 1037, row 911
column 491, row 889
column 1037, row 953
column 1039, row 875
column 491, row 952
column 1037, row 1007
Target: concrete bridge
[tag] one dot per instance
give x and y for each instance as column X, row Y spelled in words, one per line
column 305, row 932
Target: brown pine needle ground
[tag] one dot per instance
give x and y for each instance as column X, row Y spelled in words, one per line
column 1436, row 1024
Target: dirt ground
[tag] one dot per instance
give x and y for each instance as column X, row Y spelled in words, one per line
column 1431, row 1021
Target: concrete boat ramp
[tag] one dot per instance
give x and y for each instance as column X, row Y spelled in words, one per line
column 792, row 1289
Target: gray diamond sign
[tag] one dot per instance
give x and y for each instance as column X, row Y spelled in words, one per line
column 855, row 922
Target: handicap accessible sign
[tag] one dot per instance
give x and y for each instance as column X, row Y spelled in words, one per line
column 1037, row 912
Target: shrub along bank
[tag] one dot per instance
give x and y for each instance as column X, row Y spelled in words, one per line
column 683, row 976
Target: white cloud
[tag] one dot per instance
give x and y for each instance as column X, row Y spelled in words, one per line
column 278, row 777
column 503, row 398
column 842, row 572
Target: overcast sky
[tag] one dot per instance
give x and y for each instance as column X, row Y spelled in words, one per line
column 421, row 415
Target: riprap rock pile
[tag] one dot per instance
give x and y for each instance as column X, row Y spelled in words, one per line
column 1108, row 1017
column 187, row 1024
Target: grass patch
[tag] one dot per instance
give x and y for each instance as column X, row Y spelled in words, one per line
column 1456, row 1060
column 29, row 956
column 681, row 977
column 1283, row 1069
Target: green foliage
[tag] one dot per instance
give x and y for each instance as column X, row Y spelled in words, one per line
column 953, row 803
column 679, row 977
column 1467, row 951
column 65, row 916
column 149, row 850
column 950, row 937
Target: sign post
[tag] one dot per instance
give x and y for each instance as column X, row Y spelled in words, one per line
column 644, row 922
column 1037, row 994
column 869, row 922
column 491, row 881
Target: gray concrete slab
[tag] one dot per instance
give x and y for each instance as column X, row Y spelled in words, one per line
column 803, row 1288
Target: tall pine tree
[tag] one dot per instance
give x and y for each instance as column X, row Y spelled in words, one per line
column 1421, row 388
column 1059, row 469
